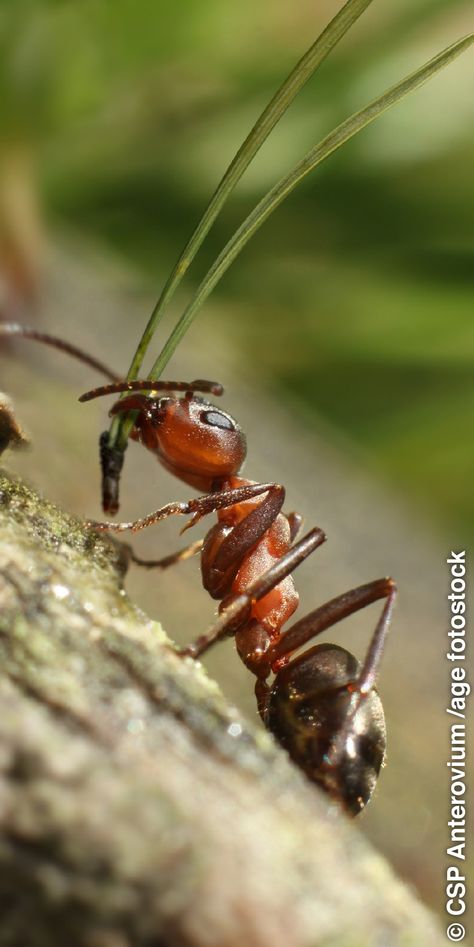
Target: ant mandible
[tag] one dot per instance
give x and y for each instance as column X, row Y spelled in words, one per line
column 322, row 706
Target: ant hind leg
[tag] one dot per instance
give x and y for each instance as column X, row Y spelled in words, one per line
column 333, row 612
column 320, row 620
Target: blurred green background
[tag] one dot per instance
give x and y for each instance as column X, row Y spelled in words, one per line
column 352, row 307
column 355, row 302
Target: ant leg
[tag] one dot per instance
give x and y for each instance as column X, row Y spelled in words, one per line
column 225, row 551
column 334, row 611
column 373, row 657
column 180, row 556
column 262, row 694
column 198, row 507
column 295, row 521
column 321, row 619
column 236, row 608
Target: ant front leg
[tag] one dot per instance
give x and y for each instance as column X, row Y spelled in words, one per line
column 195, row 508
column 295, row 522
column 231, row 551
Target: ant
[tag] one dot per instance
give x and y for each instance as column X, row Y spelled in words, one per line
column 322, row 705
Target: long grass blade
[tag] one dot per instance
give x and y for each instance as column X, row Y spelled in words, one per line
column 286, row 185
column 282, row 99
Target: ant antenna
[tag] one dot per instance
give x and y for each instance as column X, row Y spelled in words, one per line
column 24, row 332
column 200, row 384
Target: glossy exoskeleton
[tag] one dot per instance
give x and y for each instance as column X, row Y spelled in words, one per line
column 321, row 705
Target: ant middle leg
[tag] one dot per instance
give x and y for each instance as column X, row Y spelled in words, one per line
column 236, row 609
column 234, row 547
column 181, row 555
column 260, row 520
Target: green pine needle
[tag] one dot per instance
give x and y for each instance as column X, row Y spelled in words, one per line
column 355, row 123
column 299, row 76
column 282, row 99
column 346, row 130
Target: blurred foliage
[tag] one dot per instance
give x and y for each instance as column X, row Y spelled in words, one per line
column 355, row 301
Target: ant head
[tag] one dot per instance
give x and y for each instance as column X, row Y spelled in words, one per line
column 197, row 442
column 194, row 440
column 309, row 711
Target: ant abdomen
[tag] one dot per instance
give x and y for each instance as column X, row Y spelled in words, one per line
column 310, row 711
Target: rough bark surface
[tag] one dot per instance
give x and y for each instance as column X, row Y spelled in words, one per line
column 136, row 807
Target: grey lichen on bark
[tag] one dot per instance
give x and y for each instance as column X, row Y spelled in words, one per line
column 136, row 807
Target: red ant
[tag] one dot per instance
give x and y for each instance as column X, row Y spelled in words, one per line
column 322, row 706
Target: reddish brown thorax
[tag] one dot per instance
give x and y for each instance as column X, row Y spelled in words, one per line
column 205, row 447
column 275, row 608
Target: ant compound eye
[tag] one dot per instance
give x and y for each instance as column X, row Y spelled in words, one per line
column 217, row 419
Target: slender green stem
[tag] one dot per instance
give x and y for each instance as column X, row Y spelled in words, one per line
column 282, row 99
column 286, row 185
